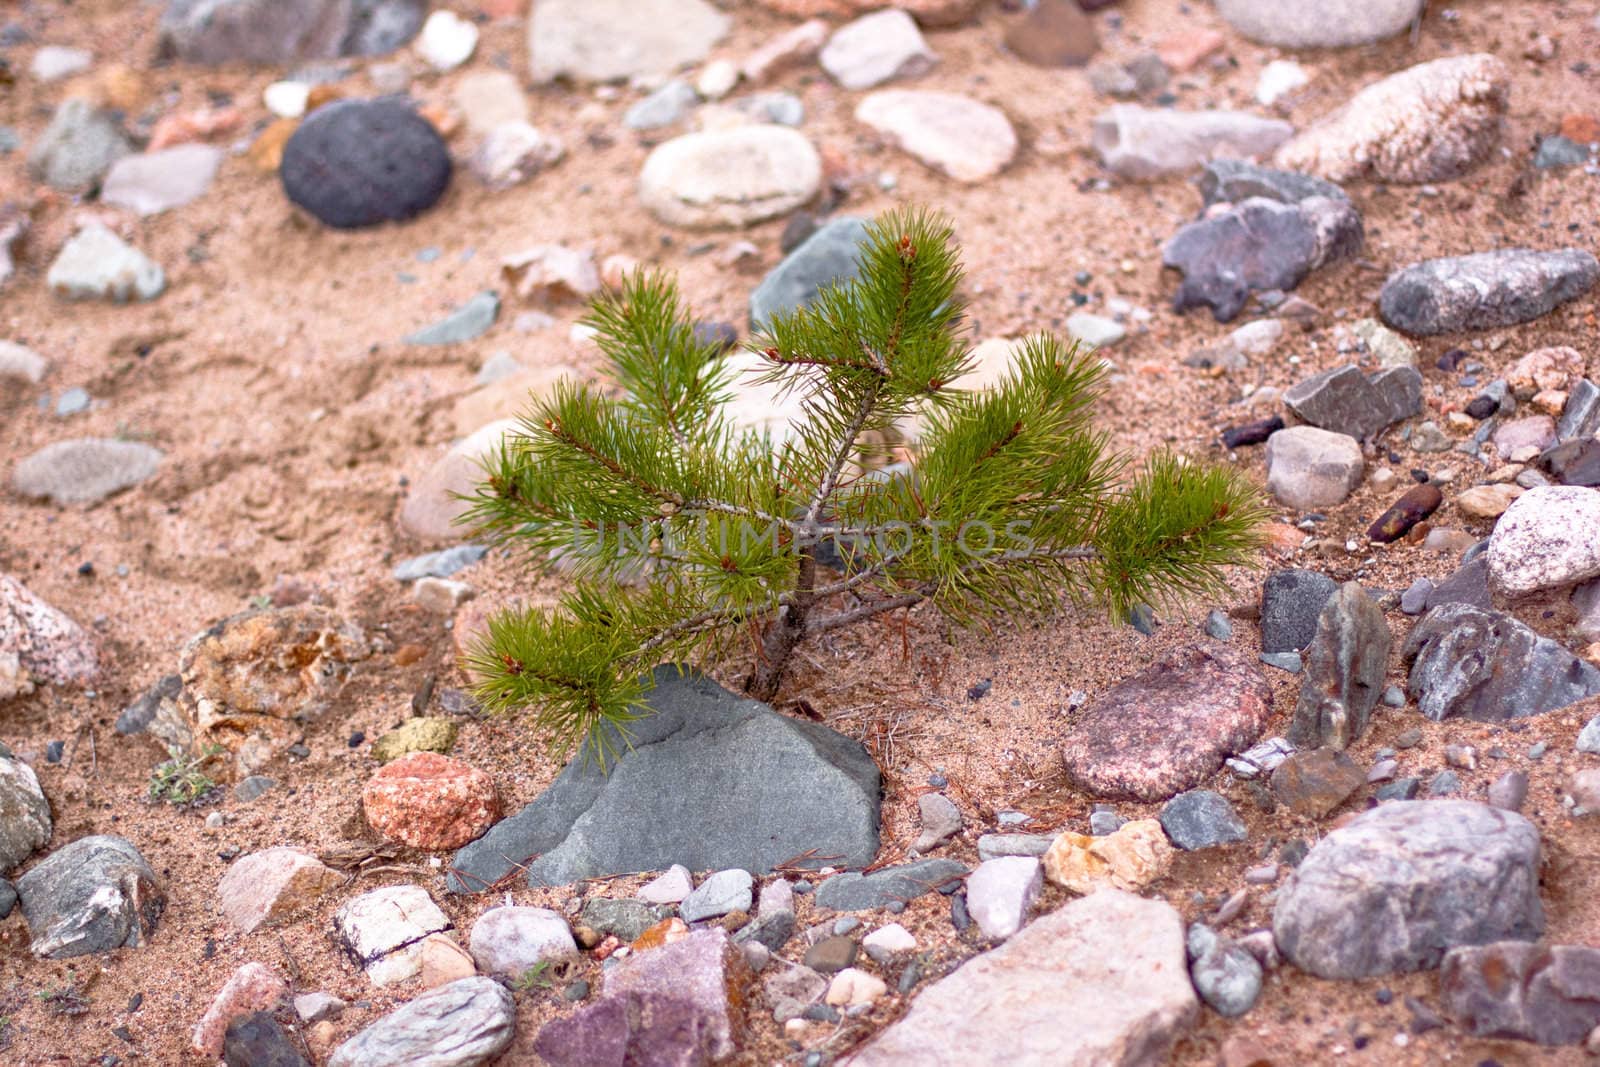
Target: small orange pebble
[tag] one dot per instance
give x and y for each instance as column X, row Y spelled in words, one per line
column 503, row 9
column 115, row 85
column 406, row 655
column 665, row 932
column 606, row 947
column 322, row 94
column 187, row 126
column 1185, row 51
column 267, row 151
column 443, row 119
column 1583, row 128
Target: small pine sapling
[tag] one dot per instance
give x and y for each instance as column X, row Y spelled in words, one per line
column 686, row 535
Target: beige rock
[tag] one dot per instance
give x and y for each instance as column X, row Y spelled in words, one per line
column 852, row 986
column 508, row 398
column 1550, row 401
column 20, row 363
column 37, row 642
column 788, row 48
column 1136, row 855
column 1554, row 368
column 1432, row 122
column 444, row 961
column 490, row 98
column 1487, row 501
column 430, row 512
column 441, row 596
column 729, row 178
column 954, row 134
column 552, row 273
column 272, row 885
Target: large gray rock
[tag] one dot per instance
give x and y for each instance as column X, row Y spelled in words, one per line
column 24, row 812
column 1326, row 24
column 854, row 891
column 1548, row 994
column 609, row 40
column 84, row 471
column 1345, row 667
column 1470, row 663
column 1400, row 885
column 704, row 778
column 1344, row 400
column 93, row 895
column 1143, row 143
column 77, row 148
column 1100, row 982
column 828, row 257
column 1485, row 290
column 462, row 1024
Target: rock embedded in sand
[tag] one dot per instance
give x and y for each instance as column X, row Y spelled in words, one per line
column 96, row 264
column 1345, row 667
column 265, row 32
column 1201, row 818
column 253, row 987
column 1308, row 468
column 91, row 896
column 1132, row 856
column 876, row 48
column 1399, row 886
column 830, row 256
column 427, row 733
column 78, row 147
column 1485, row 290
column 1429, row 123
column 272, row 885
column 25, row 823
column 433, row 506
column 1169, row 727
column 20, row 363
column 382, row 931
column 430, row 801
column 462, row 1024
column 720, row 894
column 1001, row 892
column 940, row 820
column 1327, row 24
column 729, row 178
column 1314, row 783
column 1472, row 663
column 1344, row 400
column 954, row 134
column 1548, row 538
column 1414, row 505
column 612, row 40
column 513, row 152
column 85, row 470
column 358, row 163
column 511, row 941
column 1143, row 143
column 39, row 643
column 466, row 323
column 855, row 891
column 1113, row 963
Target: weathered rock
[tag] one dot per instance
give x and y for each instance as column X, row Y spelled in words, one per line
column 25, row 824
column 272, row 885
column 1335, row 24
column 430, row 801
column 626, row 918
column 91, row 896
column 274, row 33
column 1396, row 888
column 1485, row 290
column 1225, row 974
column 940, row 821
column 1168, row 727
column 886, row 942
column 1131, row 857
column 766, row 789
column 1314, row 783
column 629, row 1028
column 39, row 644
column 853, row 891
column 19, row 363
column 442, row 960
column 721, row 893
column 729, row 178
column 954, row 134
column 1143, row 143
column 1529, row 435
column 1580, row 417
column 1513, row 989
column 77, row 148
column 253, row 987
column 670, row 887
column 513, row 152
column 1233, row 181
column 1292, row 602
column 876, row 48
column 382, row 931
column 1112, row 963
column 357, row 163
column 1001, row 892
column 1346, row 401
column 1548, row 538
column 1200, row 819
column 84, row 471
column 1470, row 663
column 705, row 970
column 611, row 40
column 1575, row 462
column 96, row 264
column 1431, row 122
column 462, row 1024
column 1469, row 584
column 994, row 846
column 153, row 182
column 1259, row 244
column 1309, row 468
column 1345, row 667
column 830, row 256
column 1416, row 504
column 510, row 941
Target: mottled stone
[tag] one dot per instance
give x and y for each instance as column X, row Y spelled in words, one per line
column 462, row 1024
column 430, row 801
column 1344, row 400
column 96, row 264
column 1200, row 819
column 1308, row 468
column 382, row 931
column 1415, row 505
column 853, row 891
column 25, row 824
column 1471, row 663
column 91, row 896
column 1345, row 667
column 272, row 885
column 39, row 644
column 510, row 941
column 1143, row 143
column 1314, row 783
column 1548, row 538
column 1484, row 290
column 1131, row 857
column 253, row 987
column 1513, row 989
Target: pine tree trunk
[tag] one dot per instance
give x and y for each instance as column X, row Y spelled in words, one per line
column 778, row 643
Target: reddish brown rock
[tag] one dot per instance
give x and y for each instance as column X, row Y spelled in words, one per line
column 1314, row 783
column 1056, row 33
column 253, row 987
column 1168, row 727
column 1417, row 504
column 271, row 885
column 38, row 643
column 426, row 800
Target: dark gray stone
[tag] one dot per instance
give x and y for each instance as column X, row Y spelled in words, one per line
column 355, row 163
column 1575, row 462
column 1485, row 290
column 704, row 778
column 625, row 918
column 1469, row 663
column 1400, row 885
column 271, row 33
column 1509, row 790
column 1345, row 667
column 1261, row 244
column 854, row 891
column 1549, row 994
column 827, row 257
column 469, row 321
column 1291, row 604
column 259, row 1040
column 1469, row 585
column 1399, row 789
column 772, row 929
column 8, row 898
column 1201, row 818
column 138, row 715
column 93, row 895
column 254, row 788
column 1346, row 401
column 1231, row 181
column 1581, row 415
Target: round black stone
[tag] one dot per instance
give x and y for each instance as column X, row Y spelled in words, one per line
column 357, row 163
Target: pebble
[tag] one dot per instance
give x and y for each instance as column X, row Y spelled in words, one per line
column 1291, row 605
column 430, row 801
column 20, row 363
column 38, row 643
column 940, row 820
column 851, row 987
column 441, row 564
column 1511, row 989
column 672, row 886
column 85, row 470
column 1001, row 892
column 382, row 931
column 1227, row 977
column 72, row 401
column 1143, row 143
column 614, row 40
column 272, row 885
column 430, row 511
column 422, row 733
column 447, row 40
column 54, row 62
column 1055, row 33
column 1344, row 400
column 513, row 152
column 358, row 163
column 1217, row 626
column 1200, row 819
column 1547, row 538
column 853, row 891
column 1487, row 501
column 667, row 106
column 78, row 147
column 993, row 846
column 1096, row 331
column 876, row 48
column 25, row 824
column 729, row 178
column 315, row 1007
column 464, row 1023
column 721, row 893
column 96, row 264
column 788, row 48
column 1415, row 505
column 884, row 943
column 1283, row 661
column 287, row 99
column 1310, row 468
column 1278, row 79
column 1135, row 855
column 954, row 134
column 831, row 954
column 1484, row 290
column 827, row 257
column 1333, row 24
column 153, row 182
column 1509, row 790
column 509, row 941
column 1345, row 667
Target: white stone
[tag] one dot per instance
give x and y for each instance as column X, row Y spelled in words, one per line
column 490, row 98
column 447, row 40
column 717, row 79
column 851, row 987
column 875, row 48
column 54, row 62
column 728, row 178
column 154, row 182
column 720, row 893
column 442, row 596
column 286, row 99
column 509, row 941
column 1096, row 331
column 1278, row 79
column 1143, row 143
column 21, row 363
column 1324, row 24
column 1001, row 892
column 513, row 152
column 97, row 264
column 382, row 930
column 1310, row 468
column 1548, row 538
column 610, row 40
column 777, row 895
column 1257, row 338
column 954, row 134
column 669, row 887
column 883, row 943
column 315, row 1007
column 552, row 273
column 789, row 47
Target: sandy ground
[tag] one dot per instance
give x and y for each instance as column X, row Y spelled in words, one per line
column 271, row 374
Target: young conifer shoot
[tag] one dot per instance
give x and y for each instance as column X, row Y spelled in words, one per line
column 687, row 536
